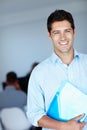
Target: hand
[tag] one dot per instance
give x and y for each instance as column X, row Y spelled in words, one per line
column 73, row 124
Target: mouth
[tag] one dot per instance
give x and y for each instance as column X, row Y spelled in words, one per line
column 64, row 45
column 63, row 42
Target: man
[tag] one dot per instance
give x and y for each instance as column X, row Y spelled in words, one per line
column 12, row 96
column 64, row 64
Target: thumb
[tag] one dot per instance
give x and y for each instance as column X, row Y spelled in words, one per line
column 78, row 117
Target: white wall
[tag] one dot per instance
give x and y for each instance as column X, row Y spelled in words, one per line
column 24, row 40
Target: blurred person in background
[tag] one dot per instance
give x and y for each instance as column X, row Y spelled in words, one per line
column 12, row 95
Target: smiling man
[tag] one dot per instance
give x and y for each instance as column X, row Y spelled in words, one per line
column 64, row 64
column 62, row 35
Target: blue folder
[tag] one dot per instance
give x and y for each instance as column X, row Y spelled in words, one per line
column 68, row 103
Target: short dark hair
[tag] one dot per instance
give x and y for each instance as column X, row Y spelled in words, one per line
column 11, row 77
column 59, row 15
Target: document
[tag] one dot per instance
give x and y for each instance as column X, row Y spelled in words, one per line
column 68, row 103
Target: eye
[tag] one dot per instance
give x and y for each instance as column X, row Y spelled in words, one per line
column 68, row 30
column 55, row 32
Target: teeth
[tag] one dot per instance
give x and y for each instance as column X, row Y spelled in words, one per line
column 63, row 43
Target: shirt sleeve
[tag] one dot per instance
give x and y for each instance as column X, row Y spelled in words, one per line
column 35, row 99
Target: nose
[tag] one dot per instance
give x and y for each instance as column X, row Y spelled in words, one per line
column 62, row 36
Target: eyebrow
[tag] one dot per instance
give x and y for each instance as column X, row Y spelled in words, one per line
column 59, row 30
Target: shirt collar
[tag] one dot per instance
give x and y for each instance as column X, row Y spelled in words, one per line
column 76, row 54
column 55, row 58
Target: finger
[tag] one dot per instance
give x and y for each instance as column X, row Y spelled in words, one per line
column 79, row 117
column 82, row 124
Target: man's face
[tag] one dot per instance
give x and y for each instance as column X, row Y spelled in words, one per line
column 62, row 36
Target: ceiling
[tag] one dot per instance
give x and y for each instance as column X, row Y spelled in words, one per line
column 12, row 6
column 13, row 11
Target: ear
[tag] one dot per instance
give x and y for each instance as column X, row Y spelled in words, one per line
column 49, row 35
column 74, row 31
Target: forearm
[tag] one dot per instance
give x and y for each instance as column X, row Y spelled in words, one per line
column 50, row 123
column 47, row 122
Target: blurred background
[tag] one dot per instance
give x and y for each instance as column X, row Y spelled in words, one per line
column 23, row 32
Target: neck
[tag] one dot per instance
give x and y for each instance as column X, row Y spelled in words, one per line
column 66, row 57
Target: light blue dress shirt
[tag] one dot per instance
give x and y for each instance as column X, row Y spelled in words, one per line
column 47, row 77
